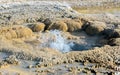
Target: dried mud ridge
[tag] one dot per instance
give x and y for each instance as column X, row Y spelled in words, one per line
column 23, row 26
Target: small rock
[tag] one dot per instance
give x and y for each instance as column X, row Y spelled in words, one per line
column 30, row 66
column 70, row 61
column 71, row 69
column 31, row 20
column 66, row 66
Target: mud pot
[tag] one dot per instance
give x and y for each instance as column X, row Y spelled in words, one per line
column 59, row 37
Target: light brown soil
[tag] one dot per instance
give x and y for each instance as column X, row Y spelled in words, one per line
column 24, row 52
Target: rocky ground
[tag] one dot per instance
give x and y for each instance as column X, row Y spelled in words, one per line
column 51, row 38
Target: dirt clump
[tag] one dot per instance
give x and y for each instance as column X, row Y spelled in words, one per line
column 24, row 32
column 15, row 32
column 59, row 25
column 114, row 42
column 10, row 34
column 73, row 25
column 95, row 27
column 37, row 27
column 80, row 20
column 47, row 22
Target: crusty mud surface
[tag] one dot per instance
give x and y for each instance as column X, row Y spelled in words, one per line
column 51, row 38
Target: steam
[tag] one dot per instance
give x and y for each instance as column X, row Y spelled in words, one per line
column 55, row 40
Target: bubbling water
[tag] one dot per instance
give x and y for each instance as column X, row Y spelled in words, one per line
column 55, row 40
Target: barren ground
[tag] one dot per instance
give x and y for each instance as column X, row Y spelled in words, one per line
column 27, row 49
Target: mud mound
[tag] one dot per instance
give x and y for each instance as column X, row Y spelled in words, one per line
column 15, row 32
column 95, row 28
column 73, row 25
column 114, row 42
column 23, row 32
column 59, row 25
column 37, row 27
